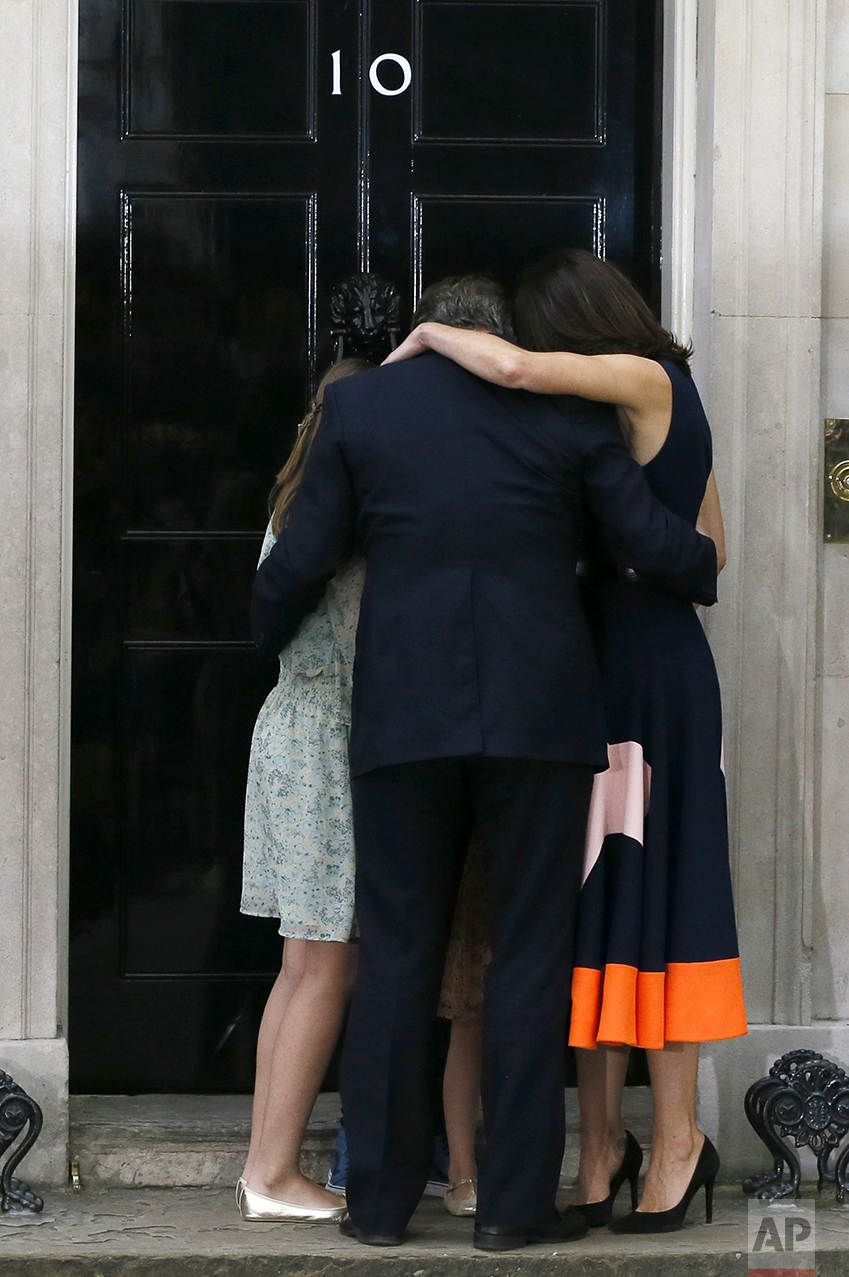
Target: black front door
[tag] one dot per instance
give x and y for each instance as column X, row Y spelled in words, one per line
column 239, row 158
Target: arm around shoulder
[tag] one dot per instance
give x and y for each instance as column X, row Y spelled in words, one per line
column 640, row 532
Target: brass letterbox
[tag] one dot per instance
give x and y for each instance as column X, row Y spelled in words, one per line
column 836, row 499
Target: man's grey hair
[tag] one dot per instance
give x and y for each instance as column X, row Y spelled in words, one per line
column 466, row 301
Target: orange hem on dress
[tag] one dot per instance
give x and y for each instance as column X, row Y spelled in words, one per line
column 688, row 1002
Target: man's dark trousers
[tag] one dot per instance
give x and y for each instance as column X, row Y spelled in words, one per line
column 412, row 826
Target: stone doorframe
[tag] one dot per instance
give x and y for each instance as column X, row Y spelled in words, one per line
column 748, row 86
column 742, row 259
column 743, row 204
column 38, row 67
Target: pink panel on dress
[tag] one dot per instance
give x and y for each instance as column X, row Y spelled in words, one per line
column 619, row 801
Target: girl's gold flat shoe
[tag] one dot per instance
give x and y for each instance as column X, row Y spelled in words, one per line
column 241, row 1185
column 254, row 1206
column 466, row 1205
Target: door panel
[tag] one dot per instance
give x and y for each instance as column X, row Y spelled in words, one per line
column 186, row 589
column 455, row 234
column 216, row 300
column 550, row 89
column 188, row 712
column 224, row 189
column 212, row 69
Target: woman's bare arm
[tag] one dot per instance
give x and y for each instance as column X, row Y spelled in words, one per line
column 710, row 521
column 638, row 385
column 628, row 380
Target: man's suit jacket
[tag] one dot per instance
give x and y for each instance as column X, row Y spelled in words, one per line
column 467, row 501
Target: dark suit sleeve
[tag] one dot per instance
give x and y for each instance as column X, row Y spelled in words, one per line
column 317, row 538
column 638, row 530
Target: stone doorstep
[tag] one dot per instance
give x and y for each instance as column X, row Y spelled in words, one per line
column 176, row 1141
column 197, row 1233
column 181, row 1141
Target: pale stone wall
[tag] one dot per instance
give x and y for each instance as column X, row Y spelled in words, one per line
column 37, row 101
column 758, row 308
column 757, row 324
column 831, row 897
column 773, row 306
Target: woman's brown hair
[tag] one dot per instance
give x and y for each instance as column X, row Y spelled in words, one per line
column 290, row 476
column 574, row 301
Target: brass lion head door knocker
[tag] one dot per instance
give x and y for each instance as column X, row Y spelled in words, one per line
column 365, row 317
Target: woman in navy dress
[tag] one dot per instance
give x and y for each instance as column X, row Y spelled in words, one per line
column 657, row 962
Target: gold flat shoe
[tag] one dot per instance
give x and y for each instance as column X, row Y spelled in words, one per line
column 254, row 1206
column 241, row 1185
column 469, row 1205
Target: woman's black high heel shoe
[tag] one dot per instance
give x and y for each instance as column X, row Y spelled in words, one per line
column 669, row 1221
column 598, row 1213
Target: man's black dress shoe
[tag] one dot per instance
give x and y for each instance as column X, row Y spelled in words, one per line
column 348, row 1228
column 568, row 1227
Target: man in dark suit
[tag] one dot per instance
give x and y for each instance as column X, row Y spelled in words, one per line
column 476, row 704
